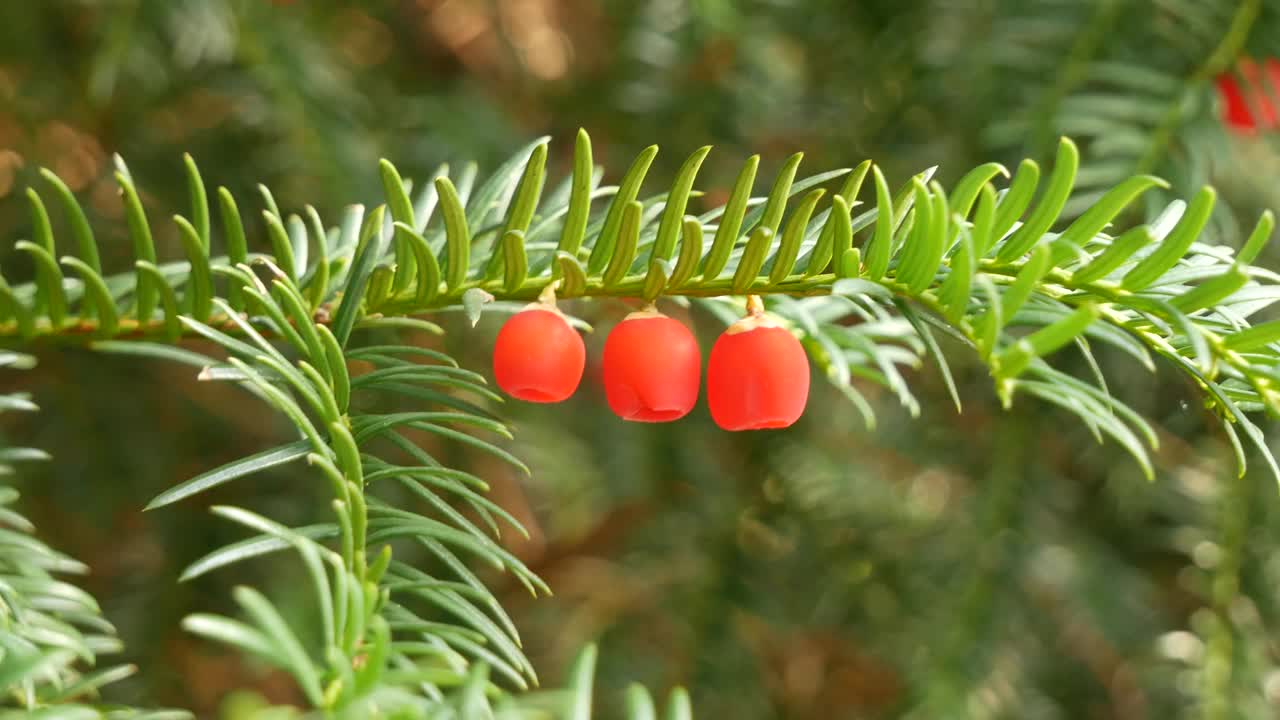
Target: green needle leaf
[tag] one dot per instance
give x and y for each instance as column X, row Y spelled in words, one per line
column 789, row 248
column 691, row 241
column 731, row 222
column 516, row 265
column 380, row 288
column 776, row 205
column 1028, row 279
column 306, row 547
column 1259, row 238
column 984, row 221
column 1175, row 246
column 300, row 244
column 573, row 278
column 966, row 191
column 494, row 196
column 457, row 234
column 624, row 253
column 954, row 294
column 1110, row 259
column 281, row 246
column 575, row 221
column 49, row 282
column 603, row 253
column 935, row 352
column 581, row 678
column 425, row 206
column 233, row 633
column 753, row 257
column 655, row 280
column 1017, row 199
column 677, row 200
column 143, row 246
column 1253, row 338
column 850, row 263
column 305, row 326
column 529, row 192
column 1096, row 218
column 199, row 201
column 96, row 288
column 168, row 353
column 428, row 269
column 265, row 460
column 237, row 249
column 41, row 229
column 372, row 245
column 397, row 198
column 199, row 293
column 822, row 253
column 836, row 236
column 1212, row 291
column 913, row 260
column 282, row 637
column 522, row 209
column 269, row 200
column 678, row 706
column 251, row 547
column 881, row 246
column 640, row 703
column 934, row 245
column 168, row 300
column 1051, row 203
column 80, row 227
column 337, row 366
column 317, row 286
column 1010, row 363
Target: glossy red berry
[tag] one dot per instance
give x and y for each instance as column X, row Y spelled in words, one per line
column 538, row 357
column 652, row 368
column 757, row 377
column 1246, row 96
column 1235, row 108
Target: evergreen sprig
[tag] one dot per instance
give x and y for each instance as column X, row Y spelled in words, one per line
column 867, row 293
column 975, row 263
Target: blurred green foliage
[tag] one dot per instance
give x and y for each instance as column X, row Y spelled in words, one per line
column 987, row 564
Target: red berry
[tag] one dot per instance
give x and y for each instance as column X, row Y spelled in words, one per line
column 1235, row 109
column 652, row 368
column 757, row 377
column 1246, row 97
column 1259, row 92
column 538, row 357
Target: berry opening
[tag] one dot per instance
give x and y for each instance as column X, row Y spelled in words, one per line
column 772, row 423
column 652, row 415
column 533, row 394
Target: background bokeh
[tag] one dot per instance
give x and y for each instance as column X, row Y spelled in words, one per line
column 984, row 564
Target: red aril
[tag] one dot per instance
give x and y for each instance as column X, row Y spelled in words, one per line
column 757, row 375
column 1246, row 95
column 538, row 357
column 652, row 367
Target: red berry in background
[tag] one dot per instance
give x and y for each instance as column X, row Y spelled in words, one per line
column 1235, row 109
column 652, row 368
column 538, row 357
column 1247, row 96
column 757, row 375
